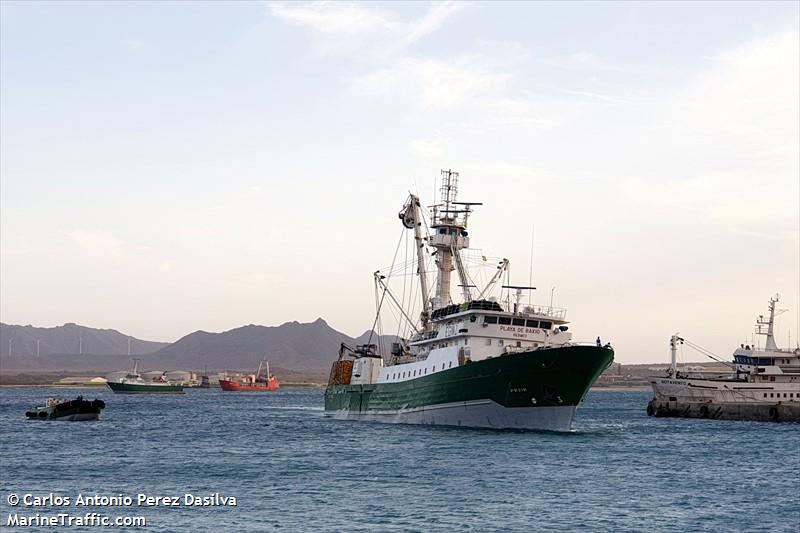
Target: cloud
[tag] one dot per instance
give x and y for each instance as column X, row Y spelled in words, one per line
column 432, row 84
column 721, row 142
column 419, row 83
column 334, row 17
column 433, row 20
column 747, row 91
column 733, row 132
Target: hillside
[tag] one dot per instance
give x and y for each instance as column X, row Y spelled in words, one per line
column 70, row 339
column 296, row 347
column 293, row 345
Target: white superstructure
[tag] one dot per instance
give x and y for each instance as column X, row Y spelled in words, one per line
column 767, row 376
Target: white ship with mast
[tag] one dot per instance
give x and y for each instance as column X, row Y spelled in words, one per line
column 474, row 363
column 768, row 377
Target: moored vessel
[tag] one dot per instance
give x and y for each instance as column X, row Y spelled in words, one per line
column 133, row 383
column 762, row 384
column 482, row 362
column 258, row 382
column 67, row 410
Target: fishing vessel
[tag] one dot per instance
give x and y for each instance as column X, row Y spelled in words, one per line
column 762, row 384
column 257, row 382
column 482, row 362
column 67, row 410
column 133, row 383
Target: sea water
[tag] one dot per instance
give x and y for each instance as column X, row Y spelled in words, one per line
column 292, row 468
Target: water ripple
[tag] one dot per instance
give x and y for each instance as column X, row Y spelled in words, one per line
column 294, row 469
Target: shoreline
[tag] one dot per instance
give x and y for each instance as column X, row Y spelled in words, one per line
column 298, row 385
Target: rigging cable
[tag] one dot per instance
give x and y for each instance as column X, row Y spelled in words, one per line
column 378, row 310
column 708, row 353
column 403, row 298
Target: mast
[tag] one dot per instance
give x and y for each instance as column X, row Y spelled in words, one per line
column 673, row 355
column 761, row 324
column 449, row 225
column 410, row 215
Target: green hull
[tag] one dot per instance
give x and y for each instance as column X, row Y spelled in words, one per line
column 144, row 388
column 550, row 378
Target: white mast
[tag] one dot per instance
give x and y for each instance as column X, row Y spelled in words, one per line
column 449, row 225
column 410, row 215
column 673, row 355
column 770, row 344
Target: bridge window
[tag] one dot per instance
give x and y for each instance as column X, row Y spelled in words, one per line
column 532, row 323
column 518, row 321
column 545, row 325
column 504, row 320
column 490, row 320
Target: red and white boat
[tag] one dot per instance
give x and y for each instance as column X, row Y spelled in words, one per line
column 257, row 382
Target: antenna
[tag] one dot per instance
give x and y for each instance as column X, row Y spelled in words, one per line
column 530, row 272
column 518, row 294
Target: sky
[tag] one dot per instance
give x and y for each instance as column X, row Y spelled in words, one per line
column 169, row 167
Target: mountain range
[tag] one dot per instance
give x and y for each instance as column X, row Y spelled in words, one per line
column 296, row 347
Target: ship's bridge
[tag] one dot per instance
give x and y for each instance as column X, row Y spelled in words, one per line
column 449, row 237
